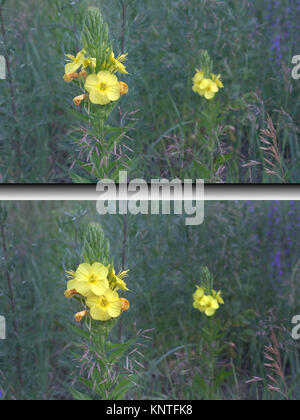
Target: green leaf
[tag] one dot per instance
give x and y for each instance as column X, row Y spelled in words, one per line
column 79, row 179
column 82, row 333
column 221, row 160
column 199, row 384
column 221, row 377
column 201, row 170
column 119, row 350
column 124, row 385
column 80, row 396
column 79, row 115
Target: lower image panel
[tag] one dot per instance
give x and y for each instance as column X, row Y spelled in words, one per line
column 146, row 308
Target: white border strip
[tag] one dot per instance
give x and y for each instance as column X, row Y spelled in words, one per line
column 89, row 193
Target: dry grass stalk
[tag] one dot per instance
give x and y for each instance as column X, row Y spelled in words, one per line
column 273, row 158
column 274, row 363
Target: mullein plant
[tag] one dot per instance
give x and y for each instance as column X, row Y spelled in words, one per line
column 94, row 71
column 208, row 301
column 207, row 85
column 96, row 287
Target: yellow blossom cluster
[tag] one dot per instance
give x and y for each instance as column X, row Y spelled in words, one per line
column 102, row 87
column 205, row 86
column 99, row 286
column 207, row 303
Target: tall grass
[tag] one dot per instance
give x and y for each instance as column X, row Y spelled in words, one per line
column 252, row 250
column 251, row 42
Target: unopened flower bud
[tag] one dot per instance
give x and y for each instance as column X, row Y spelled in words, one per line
column 83, row 74
column 70, row 293
column 71, row 76
column 77, row 101
column 78, row 317
column 125, row 304
column 124, row 88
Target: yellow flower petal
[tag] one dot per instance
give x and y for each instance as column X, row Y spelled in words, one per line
column 115, row 308
column 101, row 269
column 82, row 272
column 204, row 84
column 92, row 82
column 100, row 287
column 99, row 314
column 99, row 98
column 114, row 92
column 71, row 68
column 107, row 77
column 210, row 311
column 83, row 288
column 209, row 95
column 204, row 301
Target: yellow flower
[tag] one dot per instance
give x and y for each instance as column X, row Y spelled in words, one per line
column 199, row 76
column 117, row 280
column 198, row 296
column 217, row 80
column 125, row 304
column 78, row 317
column 218, row 297
column 78, row 99
column 118, row 62
column 105, row 307
column 199, row 293
column 90, row 278
column 124, row 88
column 208, row 305
column 75, row 62
column 206, row 87
column 103, row 88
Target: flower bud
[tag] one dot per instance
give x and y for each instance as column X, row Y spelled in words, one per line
column 83, row 74
column 124, row 88
column 78, row 317
column 71, row 76
column 70, row 293
column 125, row 304
column 77, row 101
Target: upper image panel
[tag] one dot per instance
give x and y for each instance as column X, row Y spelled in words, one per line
column 189, row 89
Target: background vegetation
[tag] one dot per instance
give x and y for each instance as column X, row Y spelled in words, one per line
column 251, row 249
column 251, row 42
